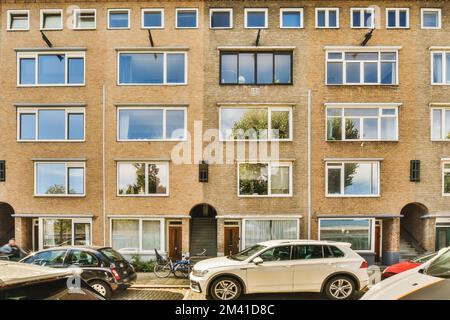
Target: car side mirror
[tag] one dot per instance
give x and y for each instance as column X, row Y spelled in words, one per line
column 258, row 260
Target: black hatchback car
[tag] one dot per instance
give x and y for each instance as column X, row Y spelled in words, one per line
column 104, row 269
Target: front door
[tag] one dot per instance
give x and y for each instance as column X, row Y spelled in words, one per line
column 231, row 240
column 175, row 242
column 378, row 240
column 442, row 237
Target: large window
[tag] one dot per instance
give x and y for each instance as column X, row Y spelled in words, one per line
column 358, row 232
column 327, row 18
column 59, row 179
column 265, row 179
column 259, row 230
column 256, row 18
column 84, row 19
column 143, row 179
column 152, row 18
column 440, row 124
column 221, row 18
column 431, row 18
column 362, row 17
column 51, row 19
column 40, row 124
column 291, row 18
column 118, row 18
column 362, row 123
column 50, row 69
column 18, row 20
column 61, row 231
column 366, row 68
column 186, row 18
column 446, row 178
column 397, row 18
column 152, row 68
column 256, row 123
column 353, row 179
column 256, row 68
column 137, row 235
column 151, row 124
column 440, row 73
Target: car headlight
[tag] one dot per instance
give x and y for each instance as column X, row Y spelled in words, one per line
column 199, row 273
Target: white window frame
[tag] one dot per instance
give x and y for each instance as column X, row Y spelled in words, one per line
column 68, row 165
column 146, row 194
column 379, row 61
column 10, row 13
column 186, row 9
column 445, row 81
column 444, row 171
column 269, row 122
column 161, row 250
column 74, row 221
column 35, row 111
column 35, row 55
column 299, row 10
column 76, row 16
column 443, row 110
column 164, row 83
column 439, row 12
column 165, row 109
column 372, row 231
column 269, row 179
column 124, row 10
column 362, row 11
column 244, row 221
column 327, row 18
column 343, row 118
column 397, row 18
column 213, row 10
column 266, row 17
column 342, row 178
column 145, row 10
column 43, row 12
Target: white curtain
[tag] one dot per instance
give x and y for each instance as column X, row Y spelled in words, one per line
column 262, row 230
column 125, row 235
column 151, row 235
column 437, row 67
column 124, row 124
column 284, row 229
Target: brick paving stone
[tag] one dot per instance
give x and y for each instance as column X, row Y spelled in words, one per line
column 149, row 294
column 151, row 279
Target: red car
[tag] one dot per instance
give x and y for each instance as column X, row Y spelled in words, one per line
column 407, row 265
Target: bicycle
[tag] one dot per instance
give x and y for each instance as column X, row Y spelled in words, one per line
column 164, row 267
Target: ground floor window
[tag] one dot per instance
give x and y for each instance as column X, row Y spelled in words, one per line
column 61, row 231
column 446, row 178
column 259, row 230
column 358, row 232
column 442, row 233
column 137, row 235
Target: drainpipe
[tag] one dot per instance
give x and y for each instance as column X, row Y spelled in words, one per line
column 309, row 163
column 104, row 162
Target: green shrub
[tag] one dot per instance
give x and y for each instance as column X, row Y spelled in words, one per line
column 142, row 266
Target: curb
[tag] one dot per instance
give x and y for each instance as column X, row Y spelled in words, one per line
column 160, row 286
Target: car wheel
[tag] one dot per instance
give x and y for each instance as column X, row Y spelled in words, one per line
column 225, row 288
column 340, row 288
column 102, row 288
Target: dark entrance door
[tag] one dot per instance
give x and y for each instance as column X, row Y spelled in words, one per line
column 378, row 233
column 175, row 243
column 6, row 223
column 203, row 231
column 442, row 237
column 231, row 240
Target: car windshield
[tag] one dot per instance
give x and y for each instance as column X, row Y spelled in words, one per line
column 424, row 257
column 247, row 253
column 440, row 267
column 112, row 254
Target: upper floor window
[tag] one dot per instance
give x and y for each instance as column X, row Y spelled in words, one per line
column 362, row 124
column 84, row 19
column 256, row 68
column 59, row 179
column 255, row 123
column 291, row 18
column 152, row 18
column 362, row 17
column 143, row 179
column 440, row 124
column 221, row 18
column 367, row 68
column 440, row 67
column 2, row 170
column 151, row 123
column 446, row 178
column 256, row 18
column 187, row 18
column 431, row 18
column 51, row 124
column 118, row 18
column 18, row 20
column 51, row 19
column 265, row 179
column 152, row 68
column 327, row 18
column 397, row 18
column 50, row 69
column 353, row 179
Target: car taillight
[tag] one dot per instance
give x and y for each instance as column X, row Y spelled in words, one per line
column 364, row 265
column 115, row 274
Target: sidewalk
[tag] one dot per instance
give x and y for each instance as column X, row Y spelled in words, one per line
column 149, row 280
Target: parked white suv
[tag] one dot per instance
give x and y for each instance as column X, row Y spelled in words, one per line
column 283, row 266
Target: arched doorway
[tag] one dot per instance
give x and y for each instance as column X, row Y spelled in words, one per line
column 203, row 231
column 6, row 223
column 413, row 230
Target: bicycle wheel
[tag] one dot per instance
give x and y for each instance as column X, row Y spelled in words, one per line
column 162, row 271
column 182, row 270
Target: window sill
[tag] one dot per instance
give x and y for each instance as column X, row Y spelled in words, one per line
column 360, row 141
column 49, row 85
column 51, row 141
column 355, row 196
column 361, row 85
column 264, row 196
column 59, row 196
column 151, row 84
column 142, row 195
